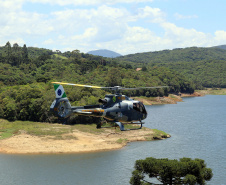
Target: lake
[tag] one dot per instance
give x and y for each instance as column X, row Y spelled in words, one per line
column 197, row 127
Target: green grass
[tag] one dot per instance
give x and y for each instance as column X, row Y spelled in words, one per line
column 8, row 129
column 158, row 134
column 59, row 56
column 91, row 128
column 122, row 140
column 6, row 133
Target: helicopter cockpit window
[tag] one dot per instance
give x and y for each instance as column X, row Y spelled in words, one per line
column 139, row 107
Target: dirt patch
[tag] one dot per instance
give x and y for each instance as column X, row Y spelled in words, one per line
column 76, row 142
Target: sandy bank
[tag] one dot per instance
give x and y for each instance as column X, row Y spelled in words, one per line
column 171, row 99
column 75, row 142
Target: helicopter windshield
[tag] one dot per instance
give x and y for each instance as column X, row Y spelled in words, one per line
column 139, row 107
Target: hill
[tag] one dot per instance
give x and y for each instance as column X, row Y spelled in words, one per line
column 105, row 53
column 204, row 66
column 221, row 46
column 192, row 54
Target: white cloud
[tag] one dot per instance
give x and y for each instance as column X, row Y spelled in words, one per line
column 182, row 37
column 152, row 14
column 10, row 5
column 16, row 25
column 87, row 2
column 49, row 41
column 179, row 16
column 87, row 35
column 106, row 22
column 220, row 35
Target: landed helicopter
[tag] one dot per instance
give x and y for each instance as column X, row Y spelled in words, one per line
column 114, row 108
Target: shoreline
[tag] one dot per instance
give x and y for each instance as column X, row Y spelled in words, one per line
column 80, row 142
column 171, row 99
column 213, row 91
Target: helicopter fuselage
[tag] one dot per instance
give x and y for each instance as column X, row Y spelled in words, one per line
column 115, row 108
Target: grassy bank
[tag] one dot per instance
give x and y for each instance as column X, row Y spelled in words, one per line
column 8, row 129
column 215, row 91
column 62, row 132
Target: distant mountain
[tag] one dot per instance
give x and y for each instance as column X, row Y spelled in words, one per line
column 105, row 53
column 221, row 46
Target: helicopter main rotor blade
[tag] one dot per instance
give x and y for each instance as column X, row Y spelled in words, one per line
column 115, row 88
column 136, row 88
column 80, row 85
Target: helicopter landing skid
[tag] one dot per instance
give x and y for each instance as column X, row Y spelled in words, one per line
column 99, row 125
column 121, row 125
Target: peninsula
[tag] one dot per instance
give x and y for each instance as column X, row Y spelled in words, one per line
column 36, row 138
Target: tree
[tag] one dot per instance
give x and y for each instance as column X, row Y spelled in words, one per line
column 8, row 46
column 144, row 68
column 15, row 47
column 184, row 171
column 9, row 109
column 114, row 78
column 25, row 53
column 76, row 54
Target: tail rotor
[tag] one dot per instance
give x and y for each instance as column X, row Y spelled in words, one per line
column 61, row 106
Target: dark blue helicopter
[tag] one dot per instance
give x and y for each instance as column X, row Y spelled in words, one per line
column 114, row 108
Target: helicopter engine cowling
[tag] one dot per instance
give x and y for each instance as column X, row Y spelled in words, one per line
column 103, row 101
column 61, row 108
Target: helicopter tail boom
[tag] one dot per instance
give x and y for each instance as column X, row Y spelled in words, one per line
column 62, row 108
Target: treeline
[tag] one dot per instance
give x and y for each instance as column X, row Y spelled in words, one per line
column 25, row 75
column 32, row 102
column 31, row 65
column 205, row 73
column 204, row 66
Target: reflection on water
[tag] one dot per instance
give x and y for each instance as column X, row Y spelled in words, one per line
column 197, row 127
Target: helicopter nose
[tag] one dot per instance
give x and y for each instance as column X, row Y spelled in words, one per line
column 144, row 116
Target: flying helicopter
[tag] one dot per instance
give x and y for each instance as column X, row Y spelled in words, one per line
column 114, row 108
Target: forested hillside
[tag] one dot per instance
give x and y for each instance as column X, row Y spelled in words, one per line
column 25, row 75
column 204, row 66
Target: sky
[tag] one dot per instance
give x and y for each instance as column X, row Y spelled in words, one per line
column 123, row 26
